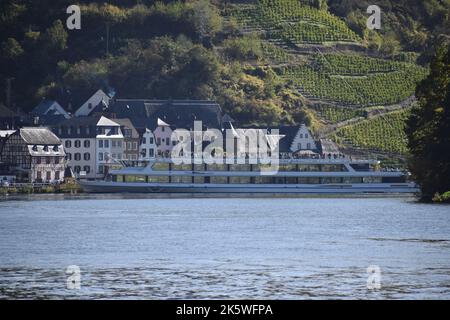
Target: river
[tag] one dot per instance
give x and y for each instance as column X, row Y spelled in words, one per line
column 136, row 247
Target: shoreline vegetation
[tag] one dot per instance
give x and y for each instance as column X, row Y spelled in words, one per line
column 29, row 188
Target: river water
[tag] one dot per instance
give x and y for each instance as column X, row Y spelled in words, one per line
column 226, row 248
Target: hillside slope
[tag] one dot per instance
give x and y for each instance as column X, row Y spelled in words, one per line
column 265, row 61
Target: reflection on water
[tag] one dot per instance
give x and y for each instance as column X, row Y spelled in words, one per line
column 181, row 248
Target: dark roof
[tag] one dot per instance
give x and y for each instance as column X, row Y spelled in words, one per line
column 42, row 107
column 41, row 136
column 177, row 113
column 127, row 124
column 289, row 133
column 5, row 112
column 83, row 122
column 50, row 120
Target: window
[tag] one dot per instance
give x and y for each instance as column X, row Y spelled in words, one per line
column 69, row 156
column 48, row 160
column 299, row 147
column 39, row 175
column 144, row 153
column 114, row 156
column 152, row 140
column 159, row 141
column 100, row 143
column 49, row 176
column 119, row 144
column 101, row 169
column 77, row 169
column 113, row 143
column 135, row 146
column 87, row 169
column 38, row 160
column 151, row 152
column 144, row 140
column 100, row 156
column 90, row 106
column 119, row 156
column 301, row 135
column 308, row 146
column 79, row 130
column 77, row 144
column 106, row 143
column 87, row 144
column 167, row 142
column 163, row 129
column 77, row 156
column 87, row 156
column 306, row 136
column 88, row 130
column 57, row 175
column 68, row 144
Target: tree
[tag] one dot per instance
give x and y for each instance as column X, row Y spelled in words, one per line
column 428, row 128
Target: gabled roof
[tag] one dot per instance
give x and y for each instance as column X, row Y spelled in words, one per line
column 42, row 108
column 39, row 136
column 105, row 122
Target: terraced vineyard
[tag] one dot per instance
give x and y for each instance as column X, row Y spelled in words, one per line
column 354, row 80
column 334, row 115
column 293, row 22
column 383, row 133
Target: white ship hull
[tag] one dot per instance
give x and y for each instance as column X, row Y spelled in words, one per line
column 363, row 188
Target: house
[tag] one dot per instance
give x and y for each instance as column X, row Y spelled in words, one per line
column 34, row 155
column 148, row 147
column 49, row 108
column 99, row 98
column 180, row 114
column 303, row 140
column 110, row 145
column 163, row 136
column 131, row 140
column 79, row 137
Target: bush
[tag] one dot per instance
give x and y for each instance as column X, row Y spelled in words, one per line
column 442, row 198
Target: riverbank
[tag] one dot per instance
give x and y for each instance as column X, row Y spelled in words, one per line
column 29, row 188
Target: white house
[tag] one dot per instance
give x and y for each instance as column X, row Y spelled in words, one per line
column 99, row 97
column 163, row 136
column 148, row 147
column 78, row 136
column 110, row 145
column 303, row 140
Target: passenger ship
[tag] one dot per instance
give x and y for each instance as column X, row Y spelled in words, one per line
column 295, row 176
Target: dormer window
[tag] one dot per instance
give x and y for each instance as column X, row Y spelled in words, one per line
column 35, row 148
column 45, row 148
column 55, row 148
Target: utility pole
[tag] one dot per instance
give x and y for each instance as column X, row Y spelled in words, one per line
column 8, row 100
column 8, row 92
column 107, row 39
